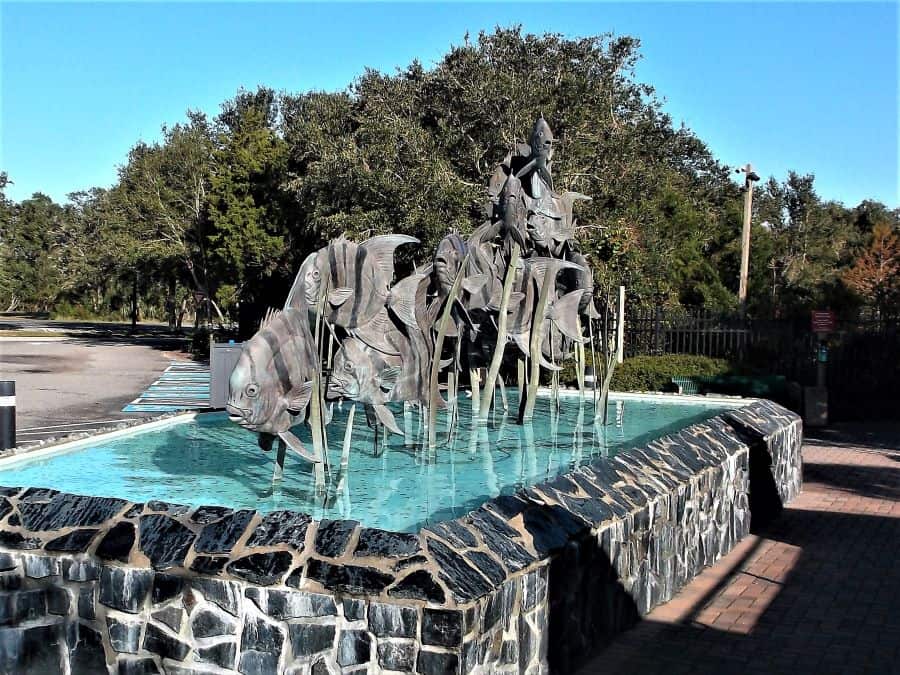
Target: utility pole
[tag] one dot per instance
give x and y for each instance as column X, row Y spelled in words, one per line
column 750, row 177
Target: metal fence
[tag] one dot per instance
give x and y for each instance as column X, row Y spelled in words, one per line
column 863, row 369
column 727, row 335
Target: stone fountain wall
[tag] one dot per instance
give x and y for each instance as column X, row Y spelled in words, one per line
column 526, row 583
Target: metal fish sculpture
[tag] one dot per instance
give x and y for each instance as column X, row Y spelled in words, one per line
column 582, row 279
column 552, row 224
column 363, row 374
column 389, row 359
column 409, row 304
column 271, row 384
column 563, row 312
column 515, row 212
column 451, row 256
column 358, row 278
column 539, row 152
column 566, row 201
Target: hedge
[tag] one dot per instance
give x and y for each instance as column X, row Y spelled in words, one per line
column 655, row 373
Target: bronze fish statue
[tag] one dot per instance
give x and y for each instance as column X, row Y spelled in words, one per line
column 562, row 311
column 357, row 278
column 361, row 373
column 450, row 258
column 514, row 211
column 271, row 384
column 539, row 152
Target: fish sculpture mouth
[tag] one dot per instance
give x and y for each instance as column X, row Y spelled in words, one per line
column 340, row 390
column 238, row 416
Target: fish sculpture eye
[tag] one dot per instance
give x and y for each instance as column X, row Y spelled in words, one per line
column 252, row 390
column 348, row 367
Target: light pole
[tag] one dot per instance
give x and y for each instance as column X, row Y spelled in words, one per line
column 750, row 177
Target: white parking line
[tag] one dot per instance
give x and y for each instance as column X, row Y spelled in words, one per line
column 71, row 424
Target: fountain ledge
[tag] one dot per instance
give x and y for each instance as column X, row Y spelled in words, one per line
column 525, row 583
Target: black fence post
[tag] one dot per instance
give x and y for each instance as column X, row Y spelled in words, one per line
column 7, row 414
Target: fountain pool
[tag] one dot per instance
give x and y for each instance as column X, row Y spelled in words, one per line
column 393, row 484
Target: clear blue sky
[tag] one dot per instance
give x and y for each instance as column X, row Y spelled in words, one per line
column 804, row 86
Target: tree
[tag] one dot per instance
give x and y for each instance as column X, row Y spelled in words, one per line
column 875, row 275
column 9, row 292
column 31, row 242
column 248, row 210
column 165, row 188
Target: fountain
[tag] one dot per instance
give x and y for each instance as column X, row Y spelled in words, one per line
column 491, row 528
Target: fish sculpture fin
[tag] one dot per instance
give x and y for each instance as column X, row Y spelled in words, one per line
column 388, row 378
column 300, row 398
column 569, row 198
column 496, row 294
column 446, row 362
column 452, row 330
column 382, row 248
column 328, row 413
column 271, row 315
column 467, row 318
column 425, row 268
column 539, row 267
column 545, row 174
column 375, row 333
column 386, row 417
column 518, row 237
column 498, row 178
column 294, row 444
column 525, row 169
column 295, row 297
column 521, row 341
column 514, row 299
column 524, row 149
column 483, row 233
column 564, row 313
column 339, row 296
column 402, row 299
column 474, row 283
column 591, row 311
column 549, row 366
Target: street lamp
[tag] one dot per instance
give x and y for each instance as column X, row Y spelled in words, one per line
column 750, row 177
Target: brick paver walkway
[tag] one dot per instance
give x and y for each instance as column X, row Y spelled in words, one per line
column 817, row 591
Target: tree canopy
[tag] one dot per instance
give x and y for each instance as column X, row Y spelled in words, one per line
column 221, row 211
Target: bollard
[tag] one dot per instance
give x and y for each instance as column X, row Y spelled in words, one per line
column 7, row 414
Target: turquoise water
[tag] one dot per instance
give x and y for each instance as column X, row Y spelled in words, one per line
column 395, row 485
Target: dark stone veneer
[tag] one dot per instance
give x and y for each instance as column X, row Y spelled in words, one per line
column 525, row 583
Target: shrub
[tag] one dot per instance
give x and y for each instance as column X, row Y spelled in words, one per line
column 654, row 373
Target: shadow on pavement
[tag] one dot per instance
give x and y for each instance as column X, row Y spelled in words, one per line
column 96, row 333
column 817, row 593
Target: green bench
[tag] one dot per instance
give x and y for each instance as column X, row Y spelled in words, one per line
column 686, row 385
column 755, row 386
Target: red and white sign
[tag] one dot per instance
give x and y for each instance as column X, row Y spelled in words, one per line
column 823, row 321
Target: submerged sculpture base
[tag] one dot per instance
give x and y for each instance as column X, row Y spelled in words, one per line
column 530, row 583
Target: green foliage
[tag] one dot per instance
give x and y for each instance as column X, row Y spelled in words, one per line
column 226, row 208
column 655, row 373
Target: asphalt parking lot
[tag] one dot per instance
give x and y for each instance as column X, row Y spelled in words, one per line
column 82, row 381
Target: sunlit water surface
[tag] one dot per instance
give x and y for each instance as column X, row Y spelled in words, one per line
column 395, row 485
